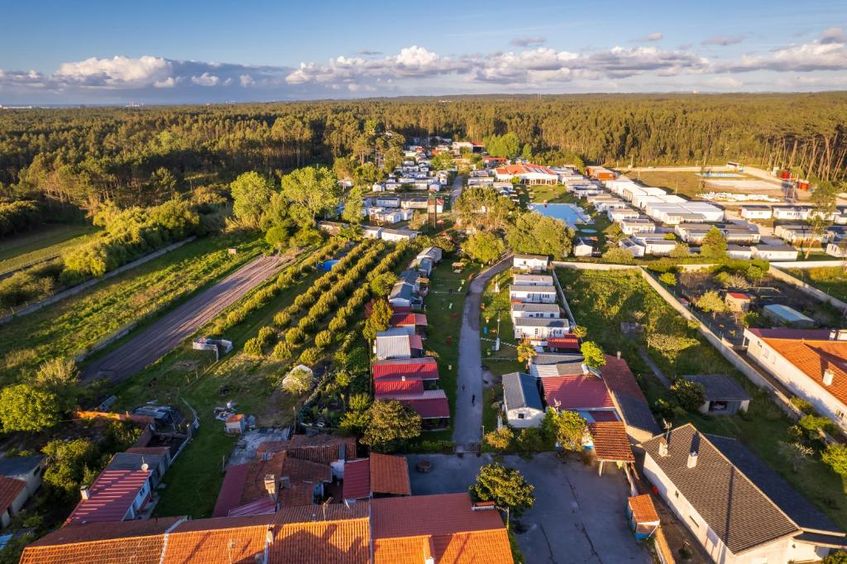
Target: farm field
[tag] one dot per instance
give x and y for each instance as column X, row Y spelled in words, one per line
column 830, row 279
column 44, row 244
column 601, row 301
column 77, row 323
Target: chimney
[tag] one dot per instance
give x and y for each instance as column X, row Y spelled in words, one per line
column 270, row 484
column 285, row 481
column 692, row 459
column 619, row 355
column 85, row 493
column 841, row 335
column 828, row 375
column 663, row 447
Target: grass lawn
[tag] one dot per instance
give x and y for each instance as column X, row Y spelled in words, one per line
column 184, row 374
column 830, row 279
column 78, row 322
column 444, row 305
column 602, row 300
column 552, row 193
column 45, row 243
column 682, row 183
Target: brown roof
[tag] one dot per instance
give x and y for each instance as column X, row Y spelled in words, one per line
column 10, row 489
column 610, row 441
column 217, row 541
column 407, row 529
column 321, row 448
column 317, row 542
column 627, row 395
column 643, row 510
column 389, row 474
column 128, row 541
column 813, row 357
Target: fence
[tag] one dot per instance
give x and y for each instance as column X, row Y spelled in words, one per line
column 806, row 288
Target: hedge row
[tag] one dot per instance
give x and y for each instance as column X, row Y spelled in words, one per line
column 264, row 295
column 19, row 216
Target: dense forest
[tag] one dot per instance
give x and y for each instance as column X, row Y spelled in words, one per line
column 144, row 156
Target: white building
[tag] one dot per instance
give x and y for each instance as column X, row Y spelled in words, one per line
column 809, row 362
column 582, row 248
column 549, row 311
column 637, row 225
column 532, row 280
column 775, row 252
column 530, row 263
column 739, row 509
column 521, row 400
column 397, row 234
column 533, row 294
column 539, row 329
column 756, row 212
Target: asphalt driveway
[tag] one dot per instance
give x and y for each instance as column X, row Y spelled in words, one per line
column 578, row 516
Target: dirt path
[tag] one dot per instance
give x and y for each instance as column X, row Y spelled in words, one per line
column 467, row 422
column 166, row 333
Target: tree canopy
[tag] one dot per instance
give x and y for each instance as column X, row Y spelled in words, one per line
column 484, row 247
column 391, row 423
column 506, row 487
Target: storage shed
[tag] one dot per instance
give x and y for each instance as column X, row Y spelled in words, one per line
column 521, row 400
column 724, row 395
column 784, row 315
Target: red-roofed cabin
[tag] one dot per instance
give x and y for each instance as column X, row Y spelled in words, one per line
column 415, row 321
column 738, row 301
column 423, row 368
column 431, row 405
column 115, row 495
column 381, row 475
column 568, row 343
column 577, row 393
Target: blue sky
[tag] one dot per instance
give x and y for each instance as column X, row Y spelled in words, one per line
column 243, row 50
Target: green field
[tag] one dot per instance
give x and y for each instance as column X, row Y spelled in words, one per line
column 49, row 242
column 601, row 301
column 184, row 374
column 829, row 279
column 444, row 323
column 78, row 322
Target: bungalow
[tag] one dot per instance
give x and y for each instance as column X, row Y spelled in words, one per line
column 372, row 232
column 405, row 292
column 581, row 392
column 396, row 342
column 637, row 225
column 532, row 280
column 600, row 173
column 568, row 344
column 621, row 214
column 431, row 405
column 398, row 234
column 739, row 252
column 737, row 507
column 539, row 329
column 528, row 174
column 792, row 212
column 521, row 400
column 756, row 212
column 530, row 263
column 633, row 247
column 432, row 253
column 654, row 245
column 738, row 302
column 583, row 248
column 424, row 368
column 533, row 294
column 775, row 252
column 798, row 235
column 381, row 475
column 416, row 321
column 20, row 477
column 535, row 310
column 724, row 395
column 837, row 248
column 555, row 369
column 809, row 362
column 115, row 495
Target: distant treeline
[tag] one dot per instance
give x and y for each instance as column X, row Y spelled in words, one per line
column 144, row 156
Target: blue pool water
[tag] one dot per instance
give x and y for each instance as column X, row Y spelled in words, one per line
column 569, row 213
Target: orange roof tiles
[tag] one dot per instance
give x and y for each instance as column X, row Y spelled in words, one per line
column 813, row 357
column 389, row 474
column 643, row 510
column 610, row 441
column 318, row 448
column 232, row 544
column 339, row 541
column 10, row 489
column 467, row 548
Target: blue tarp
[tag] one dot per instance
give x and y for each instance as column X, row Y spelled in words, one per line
column 327, row 265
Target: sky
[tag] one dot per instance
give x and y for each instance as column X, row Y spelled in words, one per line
column 208, row 51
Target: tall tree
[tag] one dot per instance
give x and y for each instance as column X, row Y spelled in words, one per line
column 312, row 191
column 506, row 487
column 251, row 194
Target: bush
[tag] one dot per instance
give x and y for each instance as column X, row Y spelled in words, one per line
column 294, row 336
column 282, row 318
column 310, row 356
column 253, row 347
column 616, row 255
column 500, row 439
column 323, row 339
column 668, row 278
column 298, row 381
column 282, row 351
column 689, row 395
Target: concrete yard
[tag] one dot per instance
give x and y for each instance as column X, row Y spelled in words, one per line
column 165, row 333
column 578, row 516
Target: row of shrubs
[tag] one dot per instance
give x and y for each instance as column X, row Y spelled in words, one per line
column 284, row 280
column 128, row 234
column 329, row 287
column 19, row 216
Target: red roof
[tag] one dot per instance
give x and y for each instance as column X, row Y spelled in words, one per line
column 567, row 343
column 643, row 509
column 357, row 479
column 231, row 489
column 619, row 378
column 739, row 295
column 430, row 404
column 390, row 474
column 393, row 387
column 576, row 392
column 518, row 169
column 610, row 441
column 110, row 496
column 416, row 342
column 425, row 368
column 10, row 489
column 407, row 319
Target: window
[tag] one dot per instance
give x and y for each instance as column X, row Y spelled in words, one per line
column 521, row 416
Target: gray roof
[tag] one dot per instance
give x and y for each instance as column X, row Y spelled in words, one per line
column 720, row 387
column 521, row 390
column 537, row 257
column 743, row 501
column 133, row 461
column 561, row 369
column 557, row 358
column 393, row 345
column 532, row 280
column 535, row 289
column 536, row 307
column 19, row 465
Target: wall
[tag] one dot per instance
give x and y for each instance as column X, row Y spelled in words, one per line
column 806, row 288
column 533, row 417
column 797, row 381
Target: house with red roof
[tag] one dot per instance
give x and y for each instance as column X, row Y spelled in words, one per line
column 423, row 368
column 811, row 363
column 381, row 475
column 529, row 174
column 115, row 495
column 415, row 322
column 431, row 405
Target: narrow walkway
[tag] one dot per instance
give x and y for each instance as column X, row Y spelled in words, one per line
column 467, row 421
column 656, row 370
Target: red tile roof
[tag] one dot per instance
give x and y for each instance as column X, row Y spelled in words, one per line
column 576, row 392
column 111, row 496
column 814, row 357
column 643, row 509
column 232, row 541
column 610, row 441
column 406, row 319
column 394, row 387
column 430, row 404
column 357, row 479
column 10, row 489
column 409, row 529
column 389, row 474
column 517, row 169
column 567, row 343
column 739, row 295
column 321, row 448
column 424, row 368
column 340, row 541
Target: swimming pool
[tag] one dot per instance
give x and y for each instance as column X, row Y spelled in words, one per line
column 568, row 213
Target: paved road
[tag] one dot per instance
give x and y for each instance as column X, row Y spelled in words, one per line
column 166, row 333
column 467, row 423
column 458, row 186
column 578, row 516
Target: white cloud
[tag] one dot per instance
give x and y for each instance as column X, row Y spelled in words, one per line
column 116, row 72
column 655, row 36
column 833, row 35
column 823, row 55
column 246, row 80
column 206, row 79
